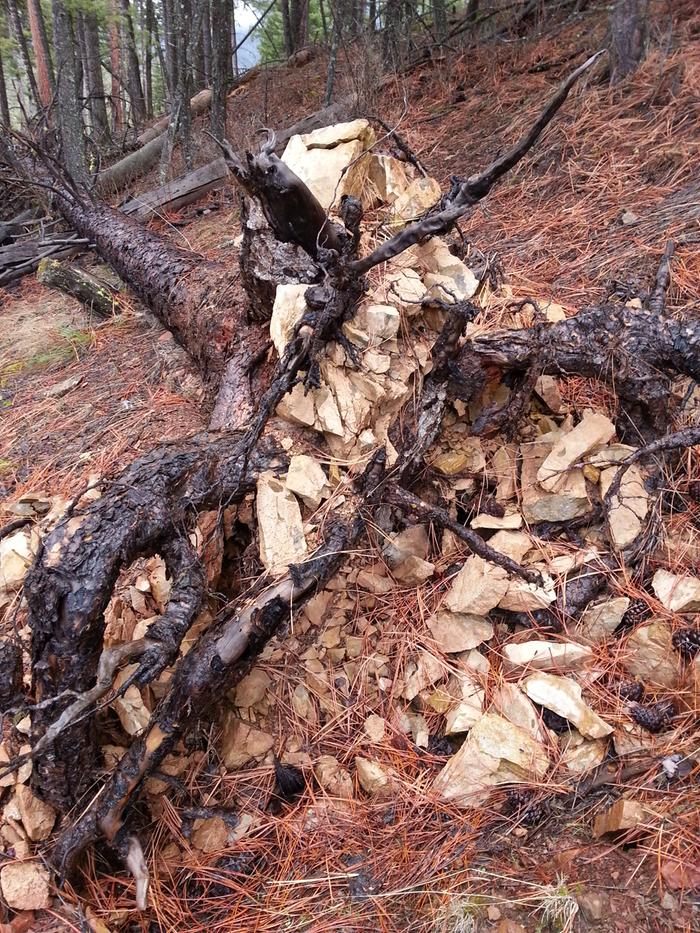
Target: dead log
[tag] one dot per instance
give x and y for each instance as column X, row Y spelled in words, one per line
column 179, row 192
column 19, row 259
column 97, row 295
column 151, row 507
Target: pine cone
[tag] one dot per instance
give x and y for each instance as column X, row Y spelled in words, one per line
column 637, row 612
column 653, row 718
column 526, row 807
column 694, row 490
column 491, row 506
column 440, row 745
column 631, row 690
column 687, row 641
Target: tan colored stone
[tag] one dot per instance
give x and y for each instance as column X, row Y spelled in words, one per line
column 650, row 656
column 457, row 631
column 470, row 703
column 623, row 814
column 252, row 688
column 676, row 592
column 628, row 508
column 374, row 728
column 513, row 705
column 380, row 321
column 210, row 835
column 421, row 673
column 240, row 742
column 538, row 505
column 297, row 407
column 373, row 779
column 593, row 431
column 511, row 520
column 306, row 479
column 388, row 176
column 17, row 553
column 280, row 528
column 414, row 571
column 522, row 596
column 514, row 544
column 38, row 817
column 25, row 885
column 548, row 390
column 546, row 656
column 478, row 587
column 329, row 160
column 504, row 466
column 447, row 277
column 412, row 542
column 495, row 752
column 421, row 194
column 407, row 290
column 333, row 778
column 562, row 695
column 288, row 309
column 600, row 620
column 584, row 754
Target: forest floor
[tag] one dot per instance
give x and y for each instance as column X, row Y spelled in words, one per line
column 586, row 215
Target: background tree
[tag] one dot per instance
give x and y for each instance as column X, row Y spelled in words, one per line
column 628, row 37
column 42, row 54
column 70, row 121
column 20, row 38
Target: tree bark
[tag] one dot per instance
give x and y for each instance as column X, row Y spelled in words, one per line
column 148, row 58
column 116, row 101
column 628, row 37
column 71, row 127
column 4, row 105
column 97, row 296
column 206, row 44
column 44, row 66
column 219, row 68
column 21, row 41
column 138, row 103
column 93, row 79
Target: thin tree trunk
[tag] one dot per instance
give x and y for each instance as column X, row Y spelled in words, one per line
column 94, row 82
column 169, row 38
column 219, row 67
column 4, row 106
column 206, row 43
column 628, row 37
column 21, row 41
column 232, row 59
column 440, row 19
column 287, row 27
column 115, row 63
column 42, row 55
column 71, row 124
column 138, row 104
column 148, row 58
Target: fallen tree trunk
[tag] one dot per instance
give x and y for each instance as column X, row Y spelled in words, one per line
column 19, row 259
column 151, row 507
column 179, row 192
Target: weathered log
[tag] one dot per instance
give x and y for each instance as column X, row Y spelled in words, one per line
column 19, row 259
column 10, row 228
column 97, row 295
column 179, row 192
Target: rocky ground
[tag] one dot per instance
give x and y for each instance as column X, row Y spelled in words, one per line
column 459, row 770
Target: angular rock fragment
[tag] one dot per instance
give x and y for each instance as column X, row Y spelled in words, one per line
column 600, row 620
column 288, row 309
column 380, row 321
column 252, row 688
column 649, row 655
column 333, row 778
column 25, row 885
column 388, row 176
column 495, row 752
column 593, row 431
column 374, row 728
column 546, row 655
column 562, row 695
column 458, row 631
column 478, row 587
column 421, row 194
column 306, row 479
column 330, row 160
column 539, row 505
column 677, row 592
column 504, row 466
column 37, row 816
column 240, row 742
column 280, row 528
column 582, row 754
column 17, row 553
column 623, row 814
column 522, row 596
column 373, row 779
column 628, row 507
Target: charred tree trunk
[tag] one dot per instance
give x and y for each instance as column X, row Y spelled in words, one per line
column 151, row 507
column 628, row 37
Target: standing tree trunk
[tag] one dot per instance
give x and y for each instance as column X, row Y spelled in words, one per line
column 299, row 23
column 93, row 78
column 287, row 27
column 169, row 38
column 148, row 58
column 219, row 67
column 116, row 71
column 393, row 14
column 133, row 73
column 21, row 41
column 440, row 19
column 4, row 106
column 628, row 37
column 71, row 127
column 44, row 66
column 206, row 43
